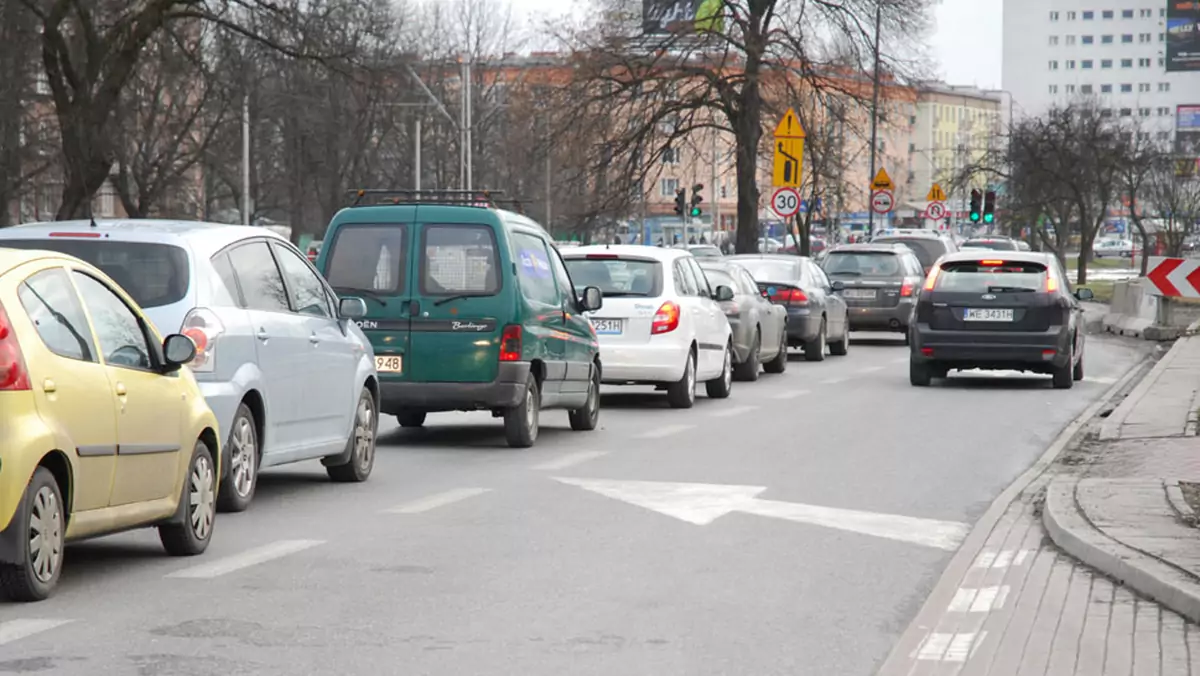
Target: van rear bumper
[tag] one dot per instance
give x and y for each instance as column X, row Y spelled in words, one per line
column 506, row 391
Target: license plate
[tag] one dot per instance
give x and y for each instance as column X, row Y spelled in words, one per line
column 859, row 293
column 987, row 315
column 388, row 363
column 607, row 327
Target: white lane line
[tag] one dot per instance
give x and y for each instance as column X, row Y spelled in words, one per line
column 791, row 394
column 15, row 630
column 250, row 557
column 437, row 500
column 981, row 600
column 664, row 431
column 871, row 369
column 833, row 381
column 1101, row 380
column 940, row 647
column 569, row 460
column 901, row 360
column 735, row 410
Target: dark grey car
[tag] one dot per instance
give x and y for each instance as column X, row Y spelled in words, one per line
column 927, row 245
column 759, row 326
column 881, row 282
column 816, row 315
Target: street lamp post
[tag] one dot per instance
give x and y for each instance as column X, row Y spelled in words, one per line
column 874, row 117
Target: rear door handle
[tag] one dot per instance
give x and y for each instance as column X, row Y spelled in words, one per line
column 121, row 390
column 49, row 385
column 262, row 335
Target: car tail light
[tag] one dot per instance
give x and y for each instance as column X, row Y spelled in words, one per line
column 1048, row 355
column 927, row 351
column 991, row 263
column 906, row 289
column 602, row 257
column 204, row 328
column 1051, row 282
column 790, row 297
column 81, row 235
column 932, row 278
column 13, row 375
column 666, row 319
column 731, row 308
column 510, row 343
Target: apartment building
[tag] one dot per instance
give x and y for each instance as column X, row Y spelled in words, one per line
column 955, row 127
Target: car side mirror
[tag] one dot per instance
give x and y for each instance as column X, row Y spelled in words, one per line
column 724, row 293
column 178, row 350
column 837, row 284
column 592, row 299
column 1084, row 294
column 352, row 308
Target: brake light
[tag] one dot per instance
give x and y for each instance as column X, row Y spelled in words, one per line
column 932, row 278
column 790, row 296
column 204, row 328
column 1051, row 282
column 82, row 235
column 906, row 289
column 666, row 319
column 510, row 343
column 13, row 375
column 991, row 262
column 602, row 257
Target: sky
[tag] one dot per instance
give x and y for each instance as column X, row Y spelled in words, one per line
column 965, row 42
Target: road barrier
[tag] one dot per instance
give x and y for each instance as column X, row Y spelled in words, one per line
column 1135, row 311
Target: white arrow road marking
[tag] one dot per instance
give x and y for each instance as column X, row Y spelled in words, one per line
column 790, row 394
column 250, row 557
column 732, row 411
column 701, row 504
column 437, row 500
column 15, row 630
column 664, row 431
column 833, row 381
column 569, row 460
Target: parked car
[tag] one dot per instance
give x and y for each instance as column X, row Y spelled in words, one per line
column 759, row 327
column 1112, row 248
column 881, row 283
column 469, row 308
column 287, row 373
column 104, row 430
column 705, row 251
column 980, row 310
column 816, row 315
column 928, row 245
column 661, row 323
column 992, row 243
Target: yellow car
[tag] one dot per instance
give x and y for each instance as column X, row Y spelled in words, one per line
column 103, row 430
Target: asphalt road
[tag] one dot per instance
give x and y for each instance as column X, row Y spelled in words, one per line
column 462, row 556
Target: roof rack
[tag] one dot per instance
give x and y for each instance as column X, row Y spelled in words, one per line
column 486, row 199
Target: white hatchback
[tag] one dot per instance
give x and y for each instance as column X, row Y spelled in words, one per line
column 661, row 323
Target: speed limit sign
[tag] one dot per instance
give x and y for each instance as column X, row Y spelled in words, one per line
column 786, row 202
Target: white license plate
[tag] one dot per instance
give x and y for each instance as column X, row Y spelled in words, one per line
column 860, row 293
column 987, row 315
column 607, row 327
column 388, row 363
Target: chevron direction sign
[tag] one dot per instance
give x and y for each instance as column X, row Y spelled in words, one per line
column 1174, row 277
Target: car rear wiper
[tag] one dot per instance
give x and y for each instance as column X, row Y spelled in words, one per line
column 1009, row 289
column 615, row 294
column 374, row 295
column 460, row 296
column 851, row 273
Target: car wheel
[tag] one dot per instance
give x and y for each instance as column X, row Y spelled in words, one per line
column 1062, row 375
column 521, row 421
column 778, row 364
column 237, row 488
column 840, row 348
column 682, row 393
column 907, row 338
column 411, row 418
column 1077, row 372
column 919, row 374
column 814, row 350
column 748, row 370
column 45, row 529
column 585, row 419
column 722, row 385
column 361, row 443
column 191, row 530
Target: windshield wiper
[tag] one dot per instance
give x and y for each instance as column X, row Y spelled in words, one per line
column 461, row 296
column 374, row 295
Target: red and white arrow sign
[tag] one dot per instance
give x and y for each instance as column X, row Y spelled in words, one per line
column 1175, row 277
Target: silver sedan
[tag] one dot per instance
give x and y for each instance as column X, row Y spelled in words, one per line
column 759, row 326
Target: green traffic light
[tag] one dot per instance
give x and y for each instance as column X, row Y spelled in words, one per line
column 988, row 218
column 974, row 217
column 695, row 211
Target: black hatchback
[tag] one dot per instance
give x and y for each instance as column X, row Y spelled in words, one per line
column 1010, row 310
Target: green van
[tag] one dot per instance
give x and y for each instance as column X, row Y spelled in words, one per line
column 469, row 307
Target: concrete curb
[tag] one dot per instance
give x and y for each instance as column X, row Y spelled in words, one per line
column 1153, row 578
column 1183, row 510
column 1110, row 429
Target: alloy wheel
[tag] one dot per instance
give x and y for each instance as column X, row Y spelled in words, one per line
column 364, row 437
column 201, row 498
column 243, row 457
column 45, row 534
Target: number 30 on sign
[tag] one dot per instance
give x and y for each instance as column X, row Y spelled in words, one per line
column 785, row 202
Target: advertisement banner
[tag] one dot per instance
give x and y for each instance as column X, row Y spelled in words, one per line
column 1187, row 138
column 1183, row 35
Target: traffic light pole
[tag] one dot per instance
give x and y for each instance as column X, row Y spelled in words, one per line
column 874, row 118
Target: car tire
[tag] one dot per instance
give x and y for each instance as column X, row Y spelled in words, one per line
column 920, row 374
column 721, row 386
column 360, row 459
column 779, row 363
column 585, row 419
column 682, row 393
column 1062, row 376
column 841, row 348
column 237, row 488
column 747, row 371
column 35, row 578
column 411, row 418
column 907, row 338
column 521, row 421
column 1077, row 371
column 814, row 350
column 189, row 533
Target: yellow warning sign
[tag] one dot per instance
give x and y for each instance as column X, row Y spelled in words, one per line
column 882, row 181
column 789, row 160
column 789, row 126
column 936, row 194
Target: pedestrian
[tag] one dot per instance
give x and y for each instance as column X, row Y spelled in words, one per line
column 703, row 240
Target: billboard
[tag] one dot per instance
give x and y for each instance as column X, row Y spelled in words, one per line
column 1187, row 137
column 1183, row 35
column 661, row 17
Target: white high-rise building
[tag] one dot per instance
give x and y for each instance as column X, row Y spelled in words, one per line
column 1057, row 51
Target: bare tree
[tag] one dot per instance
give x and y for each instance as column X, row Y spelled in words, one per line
column 25, row 138
column 1172, row 200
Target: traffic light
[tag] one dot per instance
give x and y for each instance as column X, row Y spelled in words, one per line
column 976, row 199
column 680, row 201
column 989, row 207
column 697, row 198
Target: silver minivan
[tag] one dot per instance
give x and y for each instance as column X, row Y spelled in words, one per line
column 287, row 372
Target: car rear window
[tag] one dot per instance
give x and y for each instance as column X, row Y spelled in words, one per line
column 153, row 274
column 459, row 259
column 705, row 252
column 766, row 270
column 927, row 249
column 991, row 276
column 720, row 278
column 993, row 244
column 616, row 276
column 368, row 258
column 862, row 264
